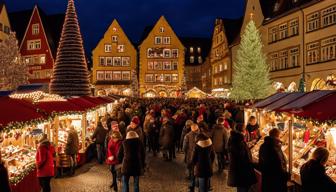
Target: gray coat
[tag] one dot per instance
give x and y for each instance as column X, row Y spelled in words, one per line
column 220, row 138
column 189, row 144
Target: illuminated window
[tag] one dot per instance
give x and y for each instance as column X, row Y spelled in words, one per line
column 108, row 75
column 102, row 61
column 125, row 61
column 116, row 75
column 109, row 61
column 114, row 38
column 42, row 59
column 166, row 40
column 108, row 48
column 35, row 29
column 192, row 59
column 100, row 75
column 191, row 49
column 121, row 48
column 126, row 75
column 117, row 61
column 158, row 40
column 199, row 49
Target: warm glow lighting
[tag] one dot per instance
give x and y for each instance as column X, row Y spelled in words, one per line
column 37, row 96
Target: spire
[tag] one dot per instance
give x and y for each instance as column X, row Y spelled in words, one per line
column 70, row 73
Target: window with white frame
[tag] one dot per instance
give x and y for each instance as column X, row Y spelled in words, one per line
column 29, row 60
column 313, row 52
column 125, row 61
column 166, row 40
column 157, row 65
column 166, row 53
column 313, row 21
column 175, row 53
column 329, row 16
column 283, row 31
column 158, row 40
column 117, row 61
column 192, row 59
column 328, row 49
column 109, row 61
column 191, row 50
column 294, row 57
column 274, row 61
column 126, row 75
column 108, row 75
column 35, row 29
column 108, row 48
column 200, row 60
column 162, row 29
column 150, row 53
column 175, row 78
column 121, row 48
column 149, row 78
column 116, row 75
column 283, row 58
column 174, row 65
column 38, row 44
column 33, row 44
column 166, row 65
column 159, row 78
column 220, row 67
column 150, row 65
column 100, row 75
column 114, row 38
column 167, row 78
column 273, row 34
column 102, row 61
column 225, row 66
column 294, row 27
column 42, row 59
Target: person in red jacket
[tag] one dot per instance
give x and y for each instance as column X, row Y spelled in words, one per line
column 45, row 163
column 112, row 154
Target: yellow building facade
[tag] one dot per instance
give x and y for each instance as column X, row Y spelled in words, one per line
column 161, row 62
column 300, row 42
column 4, row 23
column 114, row 63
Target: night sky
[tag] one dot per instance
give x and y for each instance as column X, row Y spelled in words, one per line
column 192, row 18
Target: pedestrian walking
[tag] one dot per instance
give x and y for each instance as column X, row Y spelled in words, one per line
column 313, row 173
column 72, row 148
column 189, row 144
column 273, row 163
column 167, row 139
column 135, row 126
column 203, row 157
column 112, row 156
column 132, row 156
column 99, row 136
column 45, row 163
column 220, row 138
column 241, row 172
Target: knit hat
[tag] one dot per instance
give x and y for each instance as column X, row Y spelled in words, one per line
column 132, row 135
column 116, row 135
column 136, row 120
column 188, row 122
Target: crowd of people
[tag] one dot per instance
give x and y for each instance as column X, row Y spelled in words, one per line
column 205, row 131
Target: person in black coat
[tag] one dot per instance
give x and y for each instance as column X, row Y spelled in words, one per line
column 241, row 172
column 167, row 139
column 313, row 173
column 203, row 157
column 273, row 164
column 99, row 136
column 132, row 156
column 4, row 180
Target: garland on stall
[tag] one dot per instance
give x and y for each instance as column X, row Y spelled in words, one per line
column 316, row 122
column 17, row 179
column 19, row 125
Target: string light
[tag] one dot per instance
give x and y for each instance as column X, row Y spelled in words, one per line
column 38, row 96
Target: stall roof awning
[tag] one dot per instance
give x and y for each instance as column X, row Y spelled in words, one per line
column 59, row 107
column 290, row 97
column 306, row 100
column 107, row 99
column 270, row 99
column 81, row 102
column 94, row 100
column 323, row 110
column 14, row 111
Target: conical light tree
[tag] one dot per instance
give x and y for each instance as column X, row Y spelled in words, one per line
column 251, row 73
column 70, row 73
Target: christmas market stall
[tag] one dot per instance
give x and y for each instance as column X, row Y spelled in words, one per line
column 18, row 120
column 305, row 121
column 196, row 93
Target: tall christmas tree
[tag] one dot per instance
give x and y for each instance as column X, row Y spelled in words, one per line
column 70, row 74
column 251, row 73
column 13, row 71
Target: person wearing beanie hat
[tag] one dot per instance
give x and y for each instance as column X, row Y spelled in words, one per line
column 45, row 163
column 112, row 156
column 135, row 126
column 132, row 156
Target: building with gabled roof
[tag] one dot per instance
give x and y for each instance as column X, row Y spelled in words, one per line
column 114, row 61
column 5, row 25
column 38, row 35
column 161, row 62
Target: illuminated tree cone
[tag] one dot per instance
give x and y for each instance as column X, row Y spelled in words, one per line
column 70, row 73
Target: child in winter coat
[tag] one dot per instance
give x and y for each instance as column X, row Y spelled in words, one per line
column 112, row 156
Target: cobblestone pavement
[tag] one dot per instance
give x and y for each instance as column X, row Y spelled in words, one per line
column 161, row 176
